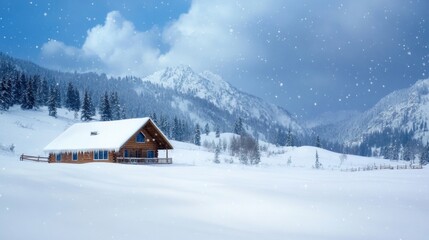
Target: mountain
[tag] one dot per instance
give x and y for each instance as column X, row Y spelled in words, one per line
column 210, row 87
column 173, row 92
column 405, row 110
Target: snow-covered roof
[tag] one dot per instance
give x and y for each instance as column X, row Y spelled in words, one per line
column 108, row 135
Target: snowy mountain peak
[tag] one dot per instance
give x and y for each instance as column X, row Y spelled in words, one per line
column 180, row 72
column 404, row 110
column 218, row 92
column 184, row 79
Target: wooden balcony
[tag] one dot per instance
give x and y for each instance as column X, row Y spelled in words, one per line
column 136, row 160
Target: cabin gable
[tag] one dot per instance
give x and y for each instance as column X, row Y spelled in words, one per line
column 142, row 146
column 134, row 148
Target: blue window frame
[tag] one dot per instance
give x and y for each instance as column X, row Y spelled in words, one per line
column 74, row 156
column 150, row 154
column 140, row 137
column 101, row 155
column 126, row 153
column 58, row 157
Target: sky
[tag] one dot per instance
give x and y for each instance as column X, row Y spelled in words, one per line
column 309, row 57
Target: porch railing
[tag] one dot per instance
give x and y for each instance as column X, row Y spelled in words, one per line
column 136, row 160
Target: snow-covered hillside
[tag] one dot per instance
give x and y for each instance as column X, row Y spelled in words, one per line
column 221, row 94
column 406, row 109
column 30, row 131
column 196, row 199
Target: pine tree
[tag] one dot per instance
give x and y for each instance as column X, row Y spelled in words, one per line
column 424, row 156
column 105, row 110
column 91, row 106
column 75, row 101
column 318, row 141
column 281, row 137
column 58, row 92
column 185, row 131
column 175, row 129
column 17, row 90
column 70, row 97
column 123, row 114
column 238, row 127
column 52, row 102
column 9, row 92
column 36, row 90
column 23, row 80
column 164, row 125
column 115, row 106
column 217, row 131
column 197, row 135
column 5, row 97
column 154, row 118
column 44, row 93
column 28, row 101
column 207, row 129
column 289, row 140
column 86, row 114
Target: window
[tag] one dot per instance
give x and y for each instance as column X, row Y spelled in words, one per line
column 140, row 138
column 126, row 153
column 101, row 155
column 150, row 154
column 58, row 157
column 74, row 156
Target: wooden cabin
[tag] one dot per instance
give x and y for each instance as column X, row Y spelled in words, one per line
column 135, row 140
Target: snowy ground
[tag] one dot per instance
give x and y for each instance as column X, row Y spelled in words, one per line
column 196, row 199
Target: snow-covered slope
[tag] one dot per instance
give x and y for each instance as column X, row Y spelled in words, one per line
column 196, row 199
column 406, row 109
column 212, row 88
column 30, row 131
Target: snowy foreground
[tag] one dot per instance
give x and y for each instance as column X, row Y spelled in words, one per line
column 196, row 199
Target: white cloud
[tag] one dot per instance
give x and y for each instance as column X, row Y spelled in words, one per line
column 114, row 47
column 53, row 47
column 216, row 35
column 211, row 35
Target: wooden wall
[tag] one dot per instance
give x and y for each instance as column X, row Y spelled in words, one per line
column 149, row 144
column 82, row 157
column 85, row 157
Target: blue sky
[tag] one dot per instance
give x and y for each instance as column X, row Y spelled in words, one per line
column 307, row 56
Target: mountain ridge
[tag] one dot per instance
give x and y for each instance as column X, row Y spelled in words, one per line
column 211, row 87
column 405, row 109
column 199, row 97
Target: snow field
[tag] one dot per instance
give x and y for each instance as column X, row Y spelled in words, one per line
column 197, row 199
column 111, row 201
